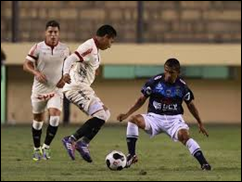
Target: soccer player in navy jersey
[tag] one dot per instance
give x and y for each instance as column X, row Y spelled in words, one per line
column 166, row 92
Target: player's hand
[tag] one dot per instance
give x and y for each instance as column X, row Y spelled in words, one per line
column 61, row 83
column 122, row 117
column 202, row 130
column 67, row 78
column 40, row 77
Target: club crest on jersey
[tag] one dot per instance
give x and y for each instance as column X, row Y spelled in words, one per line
column 159, row 87
column 168, row 92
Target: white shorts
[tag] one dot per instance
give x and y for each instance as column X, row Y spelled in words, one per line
column 85, row 99
column 51, row 100
column 155, row 124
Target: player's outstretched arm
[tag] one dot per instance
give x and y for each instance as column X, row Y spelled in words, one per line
column 194, row 111
column 138, row 104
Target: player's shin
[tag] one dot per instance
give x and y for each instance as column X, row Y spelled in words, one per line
column 95, row 129
column 36, row 133
column 88, row 130
column 195, row 150
column 131, row 137
column 51, row 130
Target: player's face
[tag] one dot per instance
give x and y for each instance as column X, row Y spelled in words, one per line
column 106, row 42
column 171, row 74
column 52, row 35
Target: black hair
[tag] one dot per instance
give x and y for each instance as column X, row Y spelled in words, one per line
column 106, row 30
column 173, row 63
column 52, row 23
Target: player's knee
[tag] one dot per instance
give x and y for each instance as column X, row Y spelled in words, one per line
column 133, row 119
column 102, row 114
column 136, row 120
column 54, row 120
column 184, row 140
column 39, row 117
column 183, row 137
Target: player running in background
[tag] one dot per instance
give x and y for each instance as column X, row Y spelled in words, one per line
column 45, row 61
column 166, row 92
column 79, row 72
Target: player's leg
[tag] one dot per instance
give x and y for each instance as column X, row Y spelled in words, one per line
column 89, row 103
column 193, row 147
column 95, row 123
column 36, row 135
column 54, row 106
column 54, row 119
column 90, row 129
column 132, row 135
column 38, row 108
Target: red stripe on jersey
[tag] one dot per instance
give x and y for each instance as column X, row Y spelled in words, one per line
column 79, row 56
column 32, row 51
column 87, row 52
column 35, row 58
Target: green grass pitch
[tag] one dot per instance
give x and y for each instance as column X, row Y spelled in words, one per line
column 160, row 159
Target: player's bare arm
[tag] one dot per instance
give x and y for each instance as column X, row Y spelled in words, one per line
column 139, row 103
column 194, row 111
column 67, row 78
column 61, row 83
column 29, row 67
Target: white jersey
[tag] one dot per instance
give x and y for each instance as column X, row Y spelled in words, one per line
column 48, row 61
column 82, row 65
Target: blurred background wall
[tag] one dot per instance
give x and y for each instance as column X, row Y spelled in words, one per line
column 204, row 35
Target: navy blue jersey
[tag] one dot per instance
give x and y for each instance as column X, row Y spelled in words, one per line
column 166, row 98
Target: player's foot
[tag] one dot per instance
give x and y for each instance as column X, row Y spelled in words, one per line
column 46, row 153
column 82, row 148
column 70, row 146
column 131, row 159
column 37, row 154
column 206, row 167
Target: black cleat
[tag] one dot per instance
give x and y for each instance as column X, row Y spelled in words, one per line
column 206, row 167
column 131, row 159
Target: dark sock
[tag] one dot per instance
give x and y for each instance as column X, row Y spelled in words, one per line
column 96, row 126
column 36, row 134
column 131, row 142
column 50, row 134
column 85, row 140
column 89, row 129
column 200, row 158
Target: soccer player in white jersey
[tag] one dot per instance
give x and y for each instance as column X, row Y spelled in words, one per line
column 79, row 73
column 45, row 61
column 166, row 92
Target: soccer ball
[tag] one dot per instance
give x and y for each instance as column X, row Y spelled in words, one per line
column 116, row 160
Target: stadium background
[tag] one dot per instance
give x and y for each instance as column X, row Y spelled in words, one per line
column 204, row 35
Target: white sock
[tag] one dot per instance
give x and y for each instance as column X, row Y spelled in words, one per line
column 54, row 120
column 192, row 146
column 37, row 125
column 38, row 148
column 45, row 146
column 132, row 130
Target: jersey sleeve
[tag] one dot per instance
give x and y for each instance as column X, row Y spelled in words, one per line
column 188, row 95
column 67, row 52
column 147, row 88
column 33, row 54
column 84, row 52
